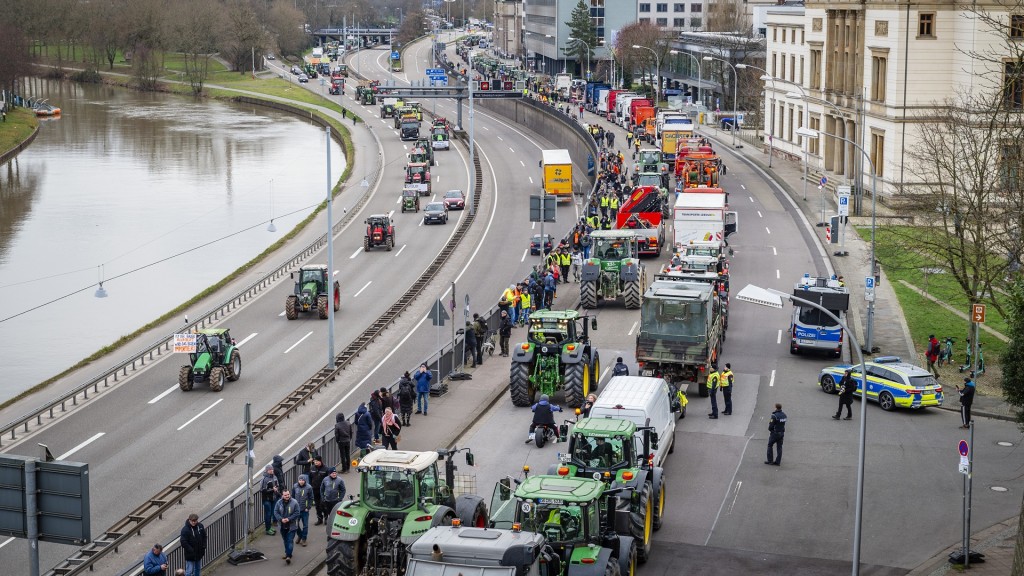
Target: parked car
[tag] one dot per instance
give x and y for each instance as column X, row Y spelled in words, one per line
column 435, row 212
column 535, row 244
column 303, row 78
column 891, row 382
column 455, row 200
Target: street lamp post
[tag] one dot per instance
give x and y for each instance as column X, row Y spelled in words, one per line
column 700, row 76
column 808, row 133
column 735, row 101
column 571, row 39
column 773, row 299
column 657, row 61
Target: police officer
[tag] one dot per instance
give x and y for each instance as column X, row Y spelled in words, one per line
column 713, row 382
column 620, row 368
column 776, row 433
column 846, row 388
column 725, row 381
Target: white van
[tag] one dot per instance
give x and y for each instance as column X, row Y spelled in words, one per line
column 643, row 401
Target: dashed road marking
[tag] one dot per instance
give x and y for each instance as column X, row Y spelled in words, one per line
column 68, row 454
column 771, row 382
column 400, row 250
column 163, row 394
column 778, row 339
column 356, row 253
column 308, row 334
column 365, row 286
column 196, row 417
column 759, row 214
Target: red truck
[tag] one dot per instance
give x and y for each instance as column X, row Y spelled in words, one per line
column 612, row 95
column 636, row 104
column 642, row 212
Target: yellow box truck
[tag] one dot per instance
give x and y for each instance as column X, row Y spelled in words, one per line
column 557, row 168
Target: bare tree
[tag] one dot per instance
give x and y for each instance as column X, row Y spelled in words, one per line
column 728, row 16
column 15, row 60
column 196, row 28
column 284, row 23
column 106, row 30
column 641, row 34
column 244, row 34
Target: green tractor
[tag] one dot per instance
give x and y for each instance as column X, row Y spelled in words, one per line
column 579, row 518
column 311, row 292
column 400, row 498
column 619, row 452
column 425, row 145
column 613, row 270
column 216, row 360
column 557, row 356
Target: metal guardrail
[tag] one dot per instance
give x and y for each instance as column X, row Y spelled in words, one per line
column 54, row 408
column 157, row 505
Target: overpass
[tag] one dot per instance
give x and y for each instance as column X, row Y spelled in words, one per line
column 374, row 35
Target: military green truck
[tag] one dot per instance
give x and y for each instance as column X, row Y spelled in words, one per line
column 613, row 270
column 400, row 498
column 214, row 359
column 557, row 356
column 578, row 517
column 618, row 452
column 682, row 327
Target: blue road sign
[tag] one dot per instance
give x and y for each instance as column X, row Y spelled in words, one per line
column 823, row 181
column 435, row 71
column 962, row 447
column 869, row 282
column 396, row 55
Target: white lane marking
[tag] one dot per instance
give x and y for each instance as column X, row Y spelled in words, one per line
column 767, row 230
column 335, row 273
column 406, row 146
column 771, row 382
column 523, row 164
column 751, row 198
column 299, row 342
column 365, row 286
column 731, row 480
column 603, row 374
column 736, row 494
column 500, row 138
column 161, row 396
column 759, row 214
column 400, row 250
column 742, row 186
column 390, row 214
column 485, row 128
column 399, row 201
column 778, row 339
column 433, row 198
column 512, row 149
column 777, row 274
column 281, row 314
column 6, row 542
column 196, row 417
column 420, row 224
column 437, row 179
column 630, row 333
column 531, row 179
column 774, row 251
column 525, row 252
column 533, row 226
column 356, row 253
column 68, row 454
column 246, row 339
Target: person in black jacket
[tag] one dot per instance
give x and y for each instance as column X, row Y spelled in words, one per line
column 776, row 433
column 305, row 459
column 376, row 409
column 318, row 472
column 343, row 438
column 505, row 332
column 966, row 399
column 846, row 388
column 407, row 398
column 193, row 542
column 470, row 347
column 279, row 470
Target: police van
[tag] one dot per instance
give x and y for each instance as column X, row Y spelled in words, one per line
column 812, row 329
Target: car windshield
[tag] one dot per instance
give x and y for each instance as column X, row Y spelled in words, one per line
column 536, row 239
column 453, row 194
column 389, row 489
column 924, row 381
column 649, row 180
column 815, row 317
column 559, row 523
column 598, row 452
column 435, row 207
column 611, row 248
column 674, row 318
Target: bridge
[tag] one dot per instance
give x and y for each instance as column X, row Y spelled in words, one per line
column 376, row 35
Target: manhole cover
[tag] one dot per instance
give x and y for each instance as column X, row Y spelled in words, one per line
column 999, row 489
column 1004, row 443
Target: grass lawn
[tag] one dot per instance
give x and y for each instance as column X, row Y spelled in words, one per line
column 19, row 126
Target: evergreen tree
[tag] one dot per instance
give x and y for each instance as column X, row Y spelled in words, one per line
column 1013, row 358
column 581, row 29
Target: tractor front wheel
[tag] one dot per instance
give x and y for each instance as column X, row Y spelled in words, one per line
column 343, row 557
column 234, row 366
column 519, row 385
column 185, row 378
column 588, row 295
column 217, row 379
column 290, row 310
column 631, row 295
column 641, row 523
column 321, row 307
column 391, row 243
column 595, row 371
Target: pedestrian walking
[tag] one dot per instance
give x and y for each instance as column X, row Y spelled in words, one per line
column 364, row 428
column 932, row 355
column 480, row 327
column 390, row 429
column 966, row 399
column 712, row 384
column 620, row 368
column 423, row 378
column 725, row 381
column 468, row 350
column 846, row 388
column 376, row 409
column 505, row 332
column 286, row 512
column 343, row 438
column 318, row 472
column 776, row 433
column 407, row 396
column 269, row 493
column 332, row 491
column 306, row 457
column 302, row 492
column 193, row 543
column 155, row 562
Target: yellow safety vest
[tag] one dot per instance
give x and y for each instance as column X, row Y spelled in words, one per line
column 613, row 203
column 524, row 300
column 509, row 295
column 712, row 381
column 726, row 378
column 565, row 259
column 604, row 201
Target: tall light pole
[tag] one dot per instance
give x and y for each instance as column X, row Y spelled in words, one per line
column 657, row 61
column 700, row 76
column 773, row 299
column 735, row 101
column 584, row 42
column 807, row 99
column 808, row 133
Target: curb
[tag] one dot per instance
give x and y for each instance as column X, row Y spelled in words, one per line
column 21, row 146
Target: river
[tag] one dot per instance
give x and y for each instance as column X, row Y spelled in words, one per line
column 122, row 185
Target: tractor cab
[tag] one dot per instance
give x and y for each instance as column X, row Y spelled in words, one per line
column 551, row 331
column 426, row 144
column 650, row 160
column 415, row 107
column 418, row 155
column 379, row 232
column 417, row 175
column 311, row 292
column 614, row 248
column 410, row 200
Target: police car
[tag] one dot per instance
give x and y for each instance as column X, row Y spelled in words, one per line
column 891, row 382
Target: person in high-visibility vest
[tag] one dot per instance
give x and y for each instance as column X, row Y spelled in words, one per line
column 509, row 295
column 725, row 381
column 613, row 205
column 604, row 206
column 525, row 301
column 564, row 261
column 712, row 384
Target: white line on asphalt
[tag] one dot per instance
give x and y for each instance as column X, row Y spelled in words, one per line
column 390, row 214
column 208, row 408
column 771, row 382
column 778, row 339
column 751, row 198
column 433, row 198
column 533, row 226
column 767, row 230
column 630, row 333
column 299, row 342
column 6, row 542
column 68, row 454
column 400, row 250
column 522, row 163
column 356, row 253
column 160, row 396
column 759, row 214
column 406, row 146
column 510, row 148
column 603, row 374
column 365, row 286
column 774, row 251
column 525, row 252
column 399, row 201
column 731, row 481
column 531, row 179
column 500, row 138
column 246, row 339
column 485, row 128
column 420, row 224
column 777, row 274
column 735, row 495
column 742, row 186
column 281, row 314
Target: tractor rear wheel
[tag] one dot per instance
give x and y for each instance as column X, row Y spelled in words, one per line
column 391, row 243
column 234, row 366
column 321, row 307
column 612, row 567
column 366, row 244
column 660, row 500
column 519, row 384
column 631, row 295
column 217, row 378
column 472, row 511
column 588, row 295
column 185, row 378
column 641, row 520
column 290, row 310
column 343, row 557
column 577, row 382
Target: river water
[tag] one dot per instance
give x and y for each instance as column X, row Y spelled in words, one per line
column 131, row 182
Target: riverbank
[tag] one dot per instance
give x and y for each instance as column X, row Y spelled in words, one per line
column 17, row 132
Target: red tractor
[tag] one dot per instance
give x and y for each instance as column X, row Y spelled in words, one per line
column 417, row 175
column 379, row 232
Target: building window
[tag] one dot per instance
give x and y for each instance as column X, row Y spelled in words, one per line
column 644, row 20
column 801, row 37
column 815, row 69
column 1016, row 25
column 679, row 22
column 662, row 7
column 812, row 143
column 775, row 34
column 783, row 35
column 679, row 7
column 789, row 128
column 695, row 23
column 1011, row 156
column 696, row 8
column 1013, row 84
column 926, row 25
column 879, row 67
column 774, row 58
column 662, row 22
column 801, row 70
column 645, row 8
column 792, row 68
column 878, row 151
column 782, row 66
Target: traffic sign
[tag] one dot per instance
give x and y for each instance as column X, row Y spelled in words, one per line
column 844, row 204
column 396, row 55
column 823, row 181
column 978, row 313
column 963, row 448
column 438, row 314
column 435, row 71
column 869, row 288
